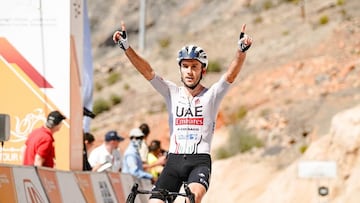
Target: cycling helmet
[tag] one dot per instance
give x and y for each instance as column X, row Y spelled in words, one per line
column 193, row 52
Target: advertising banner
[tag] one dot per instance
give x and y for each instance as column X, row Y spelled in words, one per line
column 28, row 185
column 40, row 71
column 116, row 183
column 85, row 185
column 102, row 188
column 7, row 186
column 50, row 184
column 60, row 186
column 69, row 188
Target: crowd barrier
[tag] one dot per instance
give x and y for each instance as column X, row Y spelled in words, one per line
column 26, row 184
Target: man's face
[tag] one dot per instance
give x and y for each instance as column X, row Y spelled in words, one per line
column 115, row 144
column 191, row 71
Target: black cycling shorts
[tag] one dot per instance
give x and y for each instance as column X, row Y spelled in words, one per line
column 180, row 168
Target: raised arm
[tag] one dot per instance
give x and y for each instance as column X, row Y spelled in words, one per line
column 235, row 66
column 120, row 38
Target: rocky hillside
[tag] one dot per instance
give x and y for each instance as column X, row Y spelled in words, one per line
column 258, row 178
column 302, row 69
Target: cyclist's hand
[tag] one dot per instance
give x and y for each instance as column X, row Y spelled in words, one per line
column 120, row 37
column 245, row 41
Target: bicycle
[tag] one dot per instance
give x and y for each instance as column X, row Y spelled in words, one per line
column 167, row 195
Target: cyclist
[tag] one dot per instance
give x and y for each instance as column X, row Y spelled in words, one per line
column 192, row 110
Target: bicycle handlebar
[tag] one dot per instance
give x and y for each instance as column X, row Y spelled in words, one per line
column 164, row 193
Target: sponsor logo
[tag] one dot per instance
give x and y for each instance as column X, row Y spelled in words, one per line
column 31, row 193
column 204, row 182
column 189, row 112
column 187, row 137
column 189, row 121
column 105, row 192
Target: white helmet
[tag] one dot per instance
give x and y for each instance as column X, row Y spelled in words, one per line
column 136, row 132
column 193, row 52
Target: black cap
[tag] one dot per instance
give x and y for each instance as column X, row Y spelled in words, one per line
column 54, row 118
column 113, row 135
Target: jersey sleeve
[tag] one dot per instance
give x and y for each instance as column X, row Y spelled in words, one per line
column 162, row 86
column 219, row 89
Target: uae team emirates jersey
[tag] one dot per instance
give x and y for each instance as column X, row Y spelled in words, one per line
column 191, row 119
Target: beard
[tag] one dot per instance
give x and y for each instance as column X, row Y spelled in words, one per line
column 193, row 85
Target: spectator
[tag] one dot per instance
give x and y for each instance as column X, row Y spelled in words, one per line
column 132, row 161
column 88, row 140
column 39, row 147
column 107, row 156
column 155, row 152
column 144, row 150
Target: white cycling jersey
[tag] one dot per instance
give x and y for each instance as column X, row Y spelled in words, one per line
column 191, row 120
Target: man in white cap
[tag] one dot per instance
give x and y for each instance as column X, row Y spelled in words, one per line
column 132, row 163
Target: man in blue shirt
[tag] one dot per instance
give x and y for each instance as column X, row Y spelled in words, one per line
column 132, row 162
